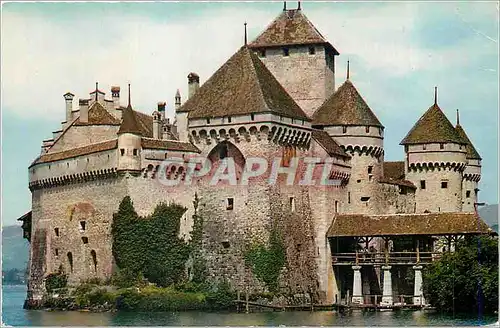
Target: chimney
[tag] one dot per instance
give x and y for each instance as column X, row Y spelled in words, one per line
column 156, row 125
column 84, row 110
column 177, row 100
column 161, row 109
column 115, row 94
column 68, row 97
column 193, row 84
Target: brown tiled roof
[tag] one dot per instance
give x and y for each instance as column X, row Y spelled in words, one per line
column 169, row 145
column 243, row 85
column 345, row 107
column 328, row 144
column 130, row 122
column 347, row 225
column 98, row 115
column 75, row 152
column 145, row 124
column 394, row 170
column 291, row 27
column 394, row 173
column 432, row 127
column 471, row 150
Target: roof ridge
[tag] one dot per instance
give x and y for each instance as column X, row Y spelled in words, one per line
column 472, row 153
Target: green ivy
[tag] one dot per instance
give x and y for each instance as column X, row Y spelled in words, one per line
column 56, row 280
column 267, row 262
column 150, row 245
column 199, row 268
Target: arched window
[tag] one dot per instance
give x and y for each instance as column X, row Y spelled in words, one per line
column 94, row 259
column 70, row 261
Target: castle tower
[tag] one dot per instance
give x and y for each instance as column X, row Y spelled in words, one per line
column 299, row 57
column 472, row 173
column 129, row 141
column 347, row 118
column 435, row 161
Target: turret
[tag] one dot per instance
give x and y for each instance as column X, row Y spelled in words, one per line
column 435, row 162
column 181, row 116
column 68, row 98
column 347, row 118
column 472, row 172
column 129, row 141
column 177, row 100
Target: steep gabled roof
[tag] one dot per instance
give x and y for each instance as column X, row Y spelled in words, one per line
column 432, row 127
column 291, row 27
column 173, row 145
column 394, row 170
column 328, row 144
column 98, row 115
column 471, row 150
column 243, row 85
column 130, row 122
column 345, row 107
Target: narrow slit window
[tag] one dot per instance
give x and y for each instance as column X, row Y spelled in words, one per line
column 208, row 121
column 56, row 252
column 229, row 119
column 370, row 169
column 83, row 225
column 263, row 53
column 292, row 204
column 56, row 231
column 467, row 194
column 344, row 129
column 230, row 204
column 135, row 152
column 336, row 206
column 441, row 146
column 252, row 117
column 122, row 151
column 349, row 197
column 85, row 240
column 367, row 129
column 70, row 261
column 94, row 259
column 422, row 184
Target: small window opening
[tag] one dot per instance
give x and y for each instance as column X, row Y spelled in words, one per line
column 441, row 146
column 402, row 191
column 370, row 169
column 367, row 129
column 358, row 181
column 122, row 151
column 365, row 199
column 252, row 117
column 263, row 53
column 349, row 197
column 85, row 240
column 94, row 259
column 223, row 151
column 292, row 204
column 70, row 260
column 166, row 155
column 208, row 121
column 225, row 244
column 422, row 184
column 312, row 50
column 56, row 252
column 286, row 52
column 135, row 152
column 370, row 178
column 56, row 231
column 344, row 129
column 82, row 225
column 444, row 184
column 424, row 147
column 230, row 204
column 336, row 206
column 67, row 164
column 229, row 119
column 467, row 194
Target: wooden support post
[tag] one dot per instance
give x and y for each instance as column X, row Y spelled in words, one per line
column 357, row 258
column 246, row 299
column 238, row 297
column 386, row 246
column 418, row 252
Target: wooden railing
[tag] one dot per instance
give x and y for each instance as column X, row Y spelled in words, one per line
column 397, row 300
column 391, row 258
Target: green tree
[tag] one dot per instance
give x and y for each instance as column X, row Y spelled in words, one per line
column 465, row 280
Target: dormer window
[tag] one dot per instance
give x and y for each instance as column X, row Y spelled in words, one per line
column 286, row 52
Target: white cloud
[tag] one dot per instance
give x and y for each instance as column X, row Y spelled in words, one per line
column 43, row 59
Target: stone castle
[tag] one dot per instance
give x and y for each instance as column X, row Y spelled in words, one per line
column 275, row 97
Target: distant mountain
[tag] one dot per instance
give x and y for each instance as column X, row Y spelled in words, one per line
column 15, row 248
column 489, row 214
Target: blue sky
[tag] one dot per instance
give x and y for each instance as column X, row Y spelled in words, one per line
column 398, row 51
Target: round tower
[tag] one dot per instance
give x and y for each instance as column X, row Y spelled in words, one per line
column 347, row 118
column 435, row 162
column 129, row 141
column 472, row 172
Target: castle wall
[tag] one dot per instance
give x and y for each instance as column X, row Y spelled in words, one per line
column 78, row 136
column 64, row 207
column 394, row 199
column 308, row 78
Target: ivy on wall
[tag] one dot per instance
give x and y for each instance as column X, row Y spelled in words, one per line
column 267, row 262
column 150, row 245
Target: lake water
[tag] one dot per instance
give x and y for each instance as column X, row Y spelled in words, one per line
column 14, row 315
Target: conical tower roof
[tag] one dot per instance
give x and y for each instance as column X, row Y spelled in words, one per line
column 243, row 85
column 291, row 27
column 471, row 151
column 345, row 107
column 432, row 127
column 129, row 123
